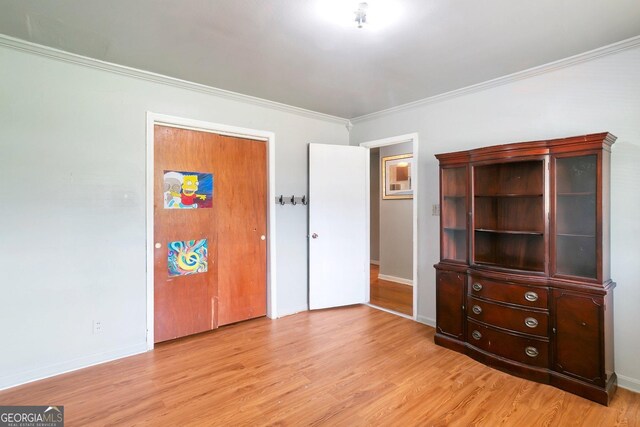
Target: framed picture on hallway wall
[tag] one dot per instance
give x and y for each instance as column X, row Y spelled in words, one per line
column 396, row 177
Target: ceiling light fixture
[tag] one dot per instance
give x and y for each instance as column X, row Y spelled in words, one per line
column 361, row 14
column 375, row 15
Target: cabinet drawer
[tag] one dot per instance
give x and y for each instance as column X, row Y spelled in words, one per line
column 526, row 296
column 516, row 319
column 530, row 351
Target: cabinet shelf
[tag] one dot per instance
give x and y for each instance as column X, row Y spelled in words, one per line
column 590, row 236
column 501, row 266
column 453, row 196
column 527, row 233
column 577, row 193
column 455, row 228
column 509, row 195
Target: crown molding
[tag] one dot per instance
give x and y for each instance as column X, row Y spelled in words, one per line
column 520, row 75
column 60, row 55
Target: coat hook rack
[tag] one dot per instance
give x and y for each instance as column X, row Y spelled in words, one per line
column 293, row 200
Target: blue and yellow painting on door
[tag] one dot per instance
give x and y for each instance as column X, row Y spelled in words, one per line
column 187, row 190
column 187, row 257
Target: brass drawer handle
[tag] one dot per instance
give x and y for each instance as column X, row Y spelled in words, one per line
column 531, row 296
column 531, row 351
column 476, row 335
column 531, row 322
column 477, row 309
column 477, row 287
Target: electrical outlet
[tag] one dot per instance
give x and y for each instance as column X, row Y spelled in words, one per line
column 435, row 210
column 97, row 327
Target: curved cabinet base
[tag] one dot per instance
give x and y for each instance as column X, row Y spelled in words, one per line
column 588, row 391
column 450, row 343
column 541, row 375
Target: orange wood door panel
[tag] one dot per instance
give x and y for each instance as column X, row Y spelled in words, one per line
column 242, row 220
column 234, row 286
column 183, row 305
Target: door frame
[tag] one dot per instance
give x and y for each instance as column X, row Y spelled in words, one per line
column 413, row 138
column 203, row 126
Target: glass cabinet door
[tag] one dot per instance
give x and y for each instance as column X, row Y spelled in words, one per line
column 576, row 216
column 454, row 213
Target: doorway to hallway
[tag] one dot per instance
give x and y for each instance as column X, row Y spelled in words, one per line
column 392, row 224
column 393, row 296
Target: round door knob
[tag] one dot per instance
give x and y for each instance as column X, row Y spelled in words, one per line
column 314, row 235
column 263, row 237
column 477, row 309
column 477, row 287
column 476, row 335
column 158, row 245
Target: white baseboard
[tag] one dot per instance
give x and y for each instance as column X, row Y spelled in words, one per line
column 629, row 383
column 374, row 262
column 377, row 307
column 427, row 320
column 396, row 279
column 292, row 312
column 40, row 373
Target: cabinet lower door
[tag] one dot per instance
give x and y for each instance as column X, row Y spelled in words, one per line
column 578, row 342
column 450, row 303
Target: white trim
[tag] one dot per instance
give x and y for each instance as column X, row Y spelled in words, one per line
column 395, row 279
column 374, row 262
column 269, row 138
column 386, row 310
column 410, row 137
column 60, row 55
column 42, row 372
column 509, row 78
column 367, row 269
column 629, row 383
column 427, row 321
column 291, row 313
column 392, row 141
column 57, row 54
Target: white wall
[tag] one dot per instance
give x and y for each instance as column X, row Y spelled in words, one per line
column 600, row 95
column 72, row 174
column 396, row 227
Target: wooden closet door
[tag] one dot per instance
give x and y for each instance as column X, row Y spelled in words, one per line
column 242, row 229
column 183, row 304
column 233, row 287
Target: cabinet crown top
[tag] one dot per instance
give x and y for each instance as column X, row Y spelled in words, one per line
column 594, row 141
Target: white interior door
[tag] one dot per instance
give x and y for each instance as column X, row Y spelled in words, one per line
column 338, row 258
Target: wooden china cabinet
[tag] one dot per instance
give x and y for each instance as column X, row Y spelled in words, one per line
column 523, row 283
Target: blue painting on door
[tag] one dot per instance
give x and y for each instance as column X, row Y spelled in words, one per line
column 187, row 257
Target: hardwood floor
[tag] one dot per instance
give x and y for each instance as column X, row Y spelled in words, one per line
column 346, row 367
column 390, row 295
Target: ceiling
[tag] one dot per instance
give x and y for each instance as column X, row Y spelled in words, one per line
column 299, row 53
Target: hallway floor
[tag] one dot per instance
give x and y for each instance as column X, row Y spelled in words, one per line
column 390, row 295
